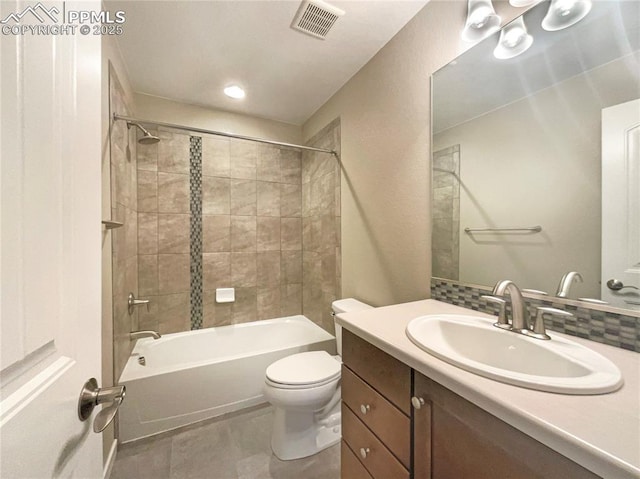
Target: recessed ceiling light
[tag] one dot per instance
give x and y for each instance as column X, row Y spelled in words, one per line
column 234, row 91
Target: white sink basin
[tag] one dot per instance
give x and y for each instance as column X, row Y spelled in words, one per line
column 474, row 344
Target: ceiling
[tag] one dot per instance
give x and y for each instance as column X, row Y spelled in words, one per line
column 477, row 83
column 190, row 50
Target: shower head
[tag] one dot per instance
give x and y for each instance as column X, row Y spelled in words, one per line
column 147, row 138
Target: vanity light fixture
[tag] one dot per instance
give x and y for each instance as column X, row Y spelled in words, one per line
column 514, row 40
column 234, row 91
column 564, row 13
column 482, row 21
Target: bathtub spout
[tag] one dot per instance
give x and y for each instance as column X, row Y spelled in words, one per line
column 144, row 334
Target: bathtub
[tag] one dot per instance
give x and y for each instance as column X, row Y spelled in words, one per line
column 195, row 375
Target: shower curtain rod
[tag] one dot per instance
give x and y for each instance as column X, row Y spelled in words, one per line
column 221, row 133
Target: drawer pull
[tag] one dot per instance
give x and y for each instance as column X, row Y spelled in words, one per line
column 364, row 452
column 417, row 402
column 365, row 408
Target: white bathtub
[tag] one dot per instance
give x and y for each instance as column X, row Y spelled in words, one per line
column 200, row 374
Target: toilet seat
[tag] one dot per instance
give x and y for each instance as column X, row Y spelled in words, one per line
column 303, row 370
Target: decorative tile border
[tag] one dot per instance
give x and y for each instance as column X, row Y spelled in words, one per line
column 604, row 327
column 195, row 237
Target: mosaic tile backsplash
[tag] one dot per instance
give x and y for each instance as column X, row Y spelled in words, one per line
column 604, row 327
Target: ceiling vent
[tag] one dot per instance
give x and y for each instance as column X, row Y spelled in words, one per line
column 316, row 18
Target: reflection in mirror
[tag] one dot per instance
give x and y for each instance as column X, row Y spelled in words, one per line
column 536, row 160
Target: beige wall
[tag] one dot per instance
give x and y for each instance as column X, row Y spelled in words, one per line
column 169, row 111
column 550, row 172
column 385, row 120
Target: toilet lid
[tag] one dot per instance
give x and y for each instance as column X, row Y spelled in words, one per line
column 304, row 368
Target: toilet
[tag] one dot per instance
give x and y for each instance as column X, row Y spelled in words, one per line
column 304, row 390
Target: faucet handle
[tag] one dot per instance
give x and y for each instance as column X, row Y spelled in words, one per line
column 502, row 323
column 539, row 331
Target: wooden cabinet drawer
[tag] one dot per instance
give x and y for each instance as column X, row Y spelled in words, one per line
column 385, row 374
column 379, row 461
column 350, row 466
column 384, row 419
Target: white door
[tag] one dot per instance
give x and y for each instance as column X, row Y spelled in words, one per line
column 621, row 205
column 50, row 246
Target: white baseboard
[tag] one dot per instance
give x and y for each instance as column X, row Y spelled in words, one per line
column 106, row 472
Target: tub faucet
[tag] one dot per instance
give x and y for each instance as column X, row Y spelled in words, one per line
column 565, row 283
column 519, row 312
column 144, row 334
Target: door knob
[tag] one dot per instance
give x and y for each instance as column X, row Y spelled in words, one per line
column 617, row 285
column 91, row 395
column 417, row 402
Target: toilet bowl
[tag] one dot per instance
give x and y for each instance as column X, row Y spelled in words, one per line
column 304, row 390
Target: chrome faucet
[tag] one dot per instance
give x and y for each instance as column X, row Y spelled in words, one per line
column 144, row 334
column 565, row 283
column 519, row 311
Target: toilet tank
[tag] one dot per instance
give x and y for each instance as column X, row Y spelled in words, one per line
column 346, row 305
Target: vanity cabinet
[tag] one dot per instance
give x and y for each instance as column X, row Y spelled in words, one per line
column 376, row 423
column 453, row 438
column 399, row 424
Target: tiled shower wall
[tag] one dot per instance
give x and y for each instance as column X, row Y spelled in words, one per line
column 124, row 239
column 446, row 213
column 321, row 227
column 251, row 231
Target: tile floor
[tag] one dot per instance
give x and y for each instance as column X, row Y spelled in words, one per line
column 236, row 446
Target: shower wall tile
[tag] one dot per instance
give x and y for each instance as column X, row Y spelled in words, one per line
column 173, row 193
column 243, row 233
column 216, row 231
column 173, row 273
column 147, row 233
column 173, row 313
column 291, row 234
column 291, row 267
column 147, row 155
column 291, row 299
column 268, row 234
column 268, row 199
column 215, row 157
column 124, row 240
column 244, row 164
column 320, row 209
column 268, row 266
column 251, row 232
column 268, row 302
column 290, row 166
column 147, row 275
column 147, row 191
column 243, row 197
column 268, row 164
column 216, row 271
column 243, row 269
column 216, row 314
column 173, row 153
column 290, row 200
column 173, row 233
column 216, row 196
column 244, row 309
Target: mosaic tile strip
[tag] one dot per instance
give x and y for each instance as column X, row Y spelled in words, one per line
column 195, row 236
column 604, row 327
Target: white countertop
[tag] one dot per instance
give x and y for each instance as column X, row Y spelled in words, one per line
column 599, row 432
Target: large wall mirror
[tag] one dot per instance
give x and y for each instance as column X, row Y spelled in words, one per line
column 536, row 160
